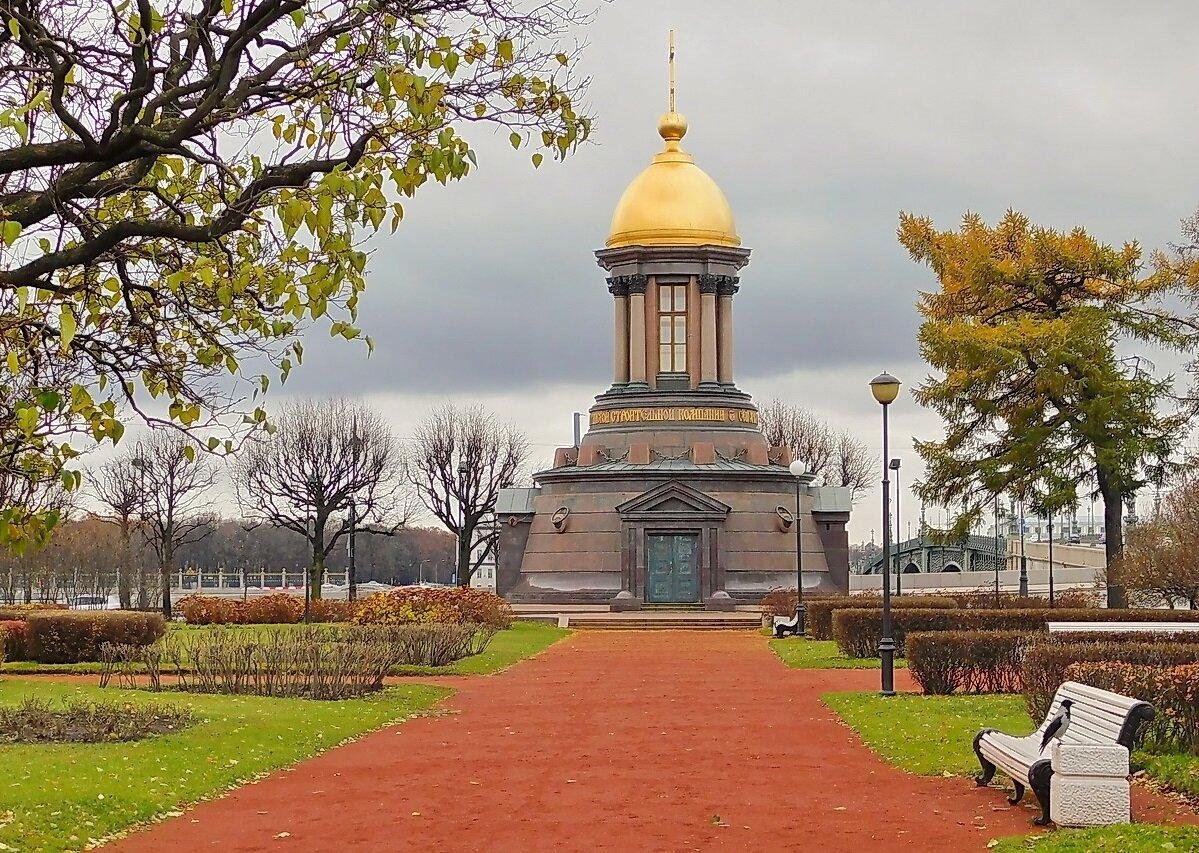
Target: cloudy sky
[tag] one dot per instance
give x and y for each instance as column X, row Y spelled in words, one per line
column 821, row 121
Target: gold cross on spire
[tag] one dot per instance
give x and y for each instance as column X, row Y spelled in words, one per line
column 671, row 65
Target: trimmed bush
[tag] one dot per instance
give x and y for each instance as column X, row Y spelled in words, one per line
column 74, row 636
column 441, row 605
column 859, row 630
column 1046, row 662
column 1172, row 690
column 944, row 662
column 21, row 612
column 820, row 612
column 1071, row 599
column 12, row 639
column 278, row 608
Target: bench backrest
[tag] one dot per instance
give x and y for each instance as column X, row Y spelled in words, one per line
column 1123, row 627
column 1099, row 716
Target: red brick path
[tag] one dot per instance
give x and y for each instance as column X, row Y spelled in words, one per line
column 612, row 741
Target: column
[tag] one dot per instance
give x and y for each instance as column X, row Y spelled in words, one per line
column 620, row 331
column 636, row 285
column 724, row 335
column 707, row 332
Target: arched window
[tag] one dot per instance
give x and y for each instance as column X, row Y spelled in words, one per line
column 672, row 328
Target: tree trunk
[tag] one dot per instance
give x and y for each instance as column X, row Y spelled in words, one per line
column 124, row 581
column 1113, row 511
column 316, row 573
column 166, row 570
column 464, row 557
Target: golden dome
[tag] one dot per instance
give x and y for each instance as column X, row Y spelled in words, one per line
column 673, row 202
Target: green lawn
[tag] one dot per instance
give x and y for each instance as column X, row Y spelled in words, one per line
column 805, row 653
column 933, row 735
column 1135, row 838
column 522, row 640
column 62, row 797
column 929, row 735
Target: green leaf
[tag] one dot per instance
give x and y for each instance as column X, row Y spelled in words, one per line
column 10, row 231
column 27, row 418
column 66, row 326
column 537, row 158
column 514, row 139
column 504, row 49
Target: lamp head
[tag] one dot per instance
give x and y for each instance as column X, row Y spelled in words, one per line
column 894, row 466
column 797, row 468
column 885, row 388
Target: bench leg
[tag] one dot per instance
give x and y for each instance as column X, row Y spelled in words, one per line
column 1038, row 779
column 988, row 769
column 1017, row 793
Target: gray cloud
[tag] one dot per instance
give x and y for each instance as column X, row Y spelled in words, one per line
column 821, row 122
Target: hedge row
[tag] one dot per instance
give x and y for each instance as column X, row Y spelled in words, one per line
column 1172, row 690
column 443, row 605
column 21, row 612
column 1071, row 599
column 944, row 662
column 275, row 609
column 858, row 631
column 1046, row 664
column 819, row 620
column 74, row 636
column 12, row 639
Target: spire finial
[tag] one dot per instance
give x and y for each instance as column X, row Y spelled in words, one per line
column 670, row 102
column 672, row 126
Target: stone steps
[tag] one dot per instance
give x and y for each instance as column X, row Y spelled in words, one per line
column 674, row 621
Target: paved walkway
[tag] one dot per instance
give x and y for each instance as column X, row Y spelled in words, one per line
column 610, row 741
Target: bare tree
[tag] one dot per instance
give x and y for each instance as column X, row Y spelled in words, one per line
column 174, row 481
column 324, row 457
column 1161, row 556
column 118, row 489
column 836, row 454
column 461, row 459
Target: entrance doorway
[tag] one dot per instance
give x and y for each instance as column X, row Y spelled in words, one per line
column 672, row 568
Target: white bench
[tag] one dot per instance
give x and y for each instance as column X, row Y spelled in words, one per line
column 1097, row 718
column 1123, row 627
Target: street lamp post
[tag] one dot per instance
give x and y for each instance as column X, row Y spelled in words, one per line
column 894, row 466
column 1023, row 557
column 997, row 550
column 885, row 389
column 798, row 470
column 1050, row 515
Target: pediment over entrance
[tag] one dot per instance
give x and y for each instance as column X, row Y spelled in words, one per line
column 674, row 498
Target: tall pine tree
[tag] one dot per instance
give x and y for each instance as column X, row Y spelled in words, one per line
column 1028, row 334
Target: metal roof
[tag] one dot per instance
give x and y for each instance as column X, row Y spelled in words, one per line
column 515, row 501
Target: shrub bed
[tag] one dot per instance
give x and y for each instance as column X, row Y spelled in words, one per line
column 1046, row 662
column 316, row 662
column 12, row 640
column 278, row 608
column 1172, row 690
column 80, row 721
column 820, row 613
column 74, row 636
column 446, row 605
column 858, row 631
column 944, row 662
column 21, row 612
column 1071, row 599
